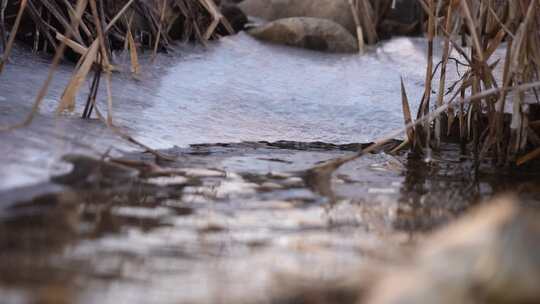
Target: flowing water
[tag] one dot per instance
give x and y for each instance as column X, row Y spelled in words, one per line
column 237, row 89
column 236, row 223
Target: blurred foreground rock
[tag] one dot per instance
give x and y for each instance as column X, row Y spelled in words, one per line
column 489, row 256
column 310, row 33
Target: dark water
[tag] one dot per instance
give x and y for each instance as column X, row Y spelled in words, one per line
column 230, row 225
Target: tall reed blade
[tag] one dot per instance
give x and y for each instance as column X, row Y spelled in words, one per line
column 135, row 66
column 407, row 113
column 442, row 82
column 68, row 100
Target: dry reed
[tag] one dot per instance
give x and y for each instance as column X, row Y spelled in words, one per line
column 478, row 102
column 92, row 29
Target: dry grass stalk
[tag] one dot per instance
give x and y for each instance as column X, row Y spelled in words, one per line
column 425, row 103
column 442, row 82
column 160, row 28
column 217, row 18
column 80, row 7
column 515, row 23
column 318, row 178
column 365, row 18
column 14, row 30
column 134, row 57
column 67, row 102
column 407, row 112
column 154, row 21
column 359, row 30
column 528, row 157
column 106, row 62
column 486, row 26
column 90, row 56
column 116, row 130
column 78, row 48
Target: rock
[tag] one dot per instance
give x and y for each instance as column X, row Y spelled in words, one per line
column 338, row 11
column 310, row 33
column 489, row 256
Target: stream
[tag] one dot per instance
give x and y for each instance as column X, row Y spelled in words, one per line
column 235, row 222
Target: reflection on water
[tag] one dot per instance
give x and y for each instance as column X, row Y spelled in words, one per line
column 437, row 192
column 228, row 233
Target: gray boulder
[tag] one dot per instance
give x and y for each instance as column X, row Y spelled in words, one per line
column 310, row 33
column 338, row 11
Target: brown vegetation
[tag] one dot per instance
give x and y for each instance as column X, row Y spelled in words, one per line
column 473, row 110
column 92, row 29
column 484, row 26
column 475, row 30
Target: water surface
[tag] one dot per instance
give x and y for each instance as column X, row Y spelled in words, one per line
column 236, row 89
